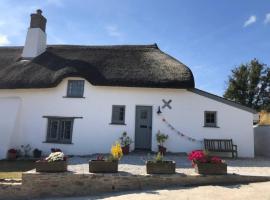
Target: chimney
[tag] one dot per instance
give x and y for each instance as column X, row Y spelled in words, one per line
column 35, row 43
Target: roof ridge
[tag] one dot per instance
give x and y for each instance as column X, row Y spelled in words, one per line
column 150, row 46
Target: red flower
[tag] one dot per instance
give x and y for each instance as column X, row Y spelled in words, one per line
column 12, row 151
column 216, row 160
column 198, row 156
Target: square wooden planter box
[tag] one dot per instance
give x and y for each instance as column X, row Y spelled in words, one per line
column 102, row 166
column 211, row 169
column 165, row 167
column 58, row 166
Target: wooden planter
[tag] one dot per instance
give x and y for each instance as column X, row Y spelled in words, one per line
column 125, row 150
column 102, row 166
column 58, row 166
column 165, row 167
column 211, row 168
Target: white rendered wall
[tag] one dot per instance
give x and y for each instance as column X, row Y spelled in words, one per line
column 35, row 43
column 94, row 134
column 9, row 110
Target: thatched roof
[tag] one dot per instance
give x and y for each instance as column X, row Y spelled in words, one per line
column 127, row 65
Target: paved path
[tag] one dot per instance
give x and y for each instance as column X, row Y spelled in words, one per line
column 135, row 164
column 258, row 191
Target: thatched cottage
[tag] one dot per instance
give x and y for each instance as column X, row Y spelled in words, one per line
column 81, row 99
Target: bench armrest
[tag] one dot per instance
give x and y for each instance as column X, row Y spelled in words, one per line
column 234, row 147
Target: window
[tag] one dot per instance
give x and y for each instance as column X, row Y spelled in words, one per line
column 59, row 130
column 210, row 118
column 118, row 114
column 75, row 88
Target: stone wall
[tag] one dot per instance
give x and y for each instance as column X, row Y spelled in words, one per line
column 35, row 185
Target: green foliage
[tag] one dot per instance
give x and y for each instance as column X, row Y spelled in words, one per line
column 249, row 85
column 159, row 157
column 161, row 138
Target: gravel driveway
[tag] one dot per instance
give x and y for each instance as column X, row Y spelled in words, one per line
column 258, row 191
column 135, row 164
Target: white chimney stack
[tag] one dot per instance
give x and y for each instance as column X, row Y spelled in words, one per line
column 35, row 43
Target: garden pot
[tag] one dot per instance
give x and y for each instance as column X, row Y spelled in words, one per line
column 37, row 153
column 125, row 150
column 103, row 166
column 57, row 166
column 211, row 168
column 164, row 167
column 162, row 149
column 11, row 156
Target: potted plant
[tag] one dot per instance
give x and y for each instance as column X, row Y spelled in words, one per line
column 160, row 166
column 125, row 143
column 12, row 154
column 25, row 149
column 55, row 162
column 37, row 153
column 207, row 165
column 161, row 138
column 107, row 165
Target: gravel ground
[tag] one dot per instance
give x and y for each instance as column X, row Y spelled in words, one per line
column 135, row 164
column 258, row 191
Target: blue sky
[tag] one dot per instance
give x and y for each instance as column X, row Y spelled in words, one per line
column 209, row 36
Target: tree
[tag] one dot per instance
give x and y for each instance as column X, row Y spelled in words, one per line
column 249, row 85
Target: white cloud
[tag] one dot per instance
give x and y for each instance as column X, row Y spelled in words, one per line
column 113, row 31
column 251, row 20
column 267, row 18
column 4, row 40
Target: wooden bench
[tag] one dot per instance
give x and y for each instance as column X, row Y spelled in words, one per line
column 221, row 145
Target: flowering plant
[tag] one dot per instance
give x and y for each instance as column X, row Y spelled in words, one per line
column 199, row 156
column 125, row 140
column 100, row 157
column 56, row 156
column 116, row 151
column 12, row 151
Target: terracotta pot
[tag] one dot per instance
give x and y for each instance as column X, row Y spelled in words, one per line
column 162, row 149
column 125, row 150
column 103, row 166
column 11, row 156
column 164, row 167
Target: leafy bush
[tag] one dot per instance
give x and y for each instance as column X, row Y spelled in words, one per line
column 161, row 138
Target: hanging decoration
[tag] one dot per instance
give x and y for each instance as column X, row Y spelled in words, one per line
column 179, row 132
column 166, row 104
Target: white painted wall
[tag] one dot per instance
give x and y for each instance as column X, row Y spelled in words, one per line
column 35, row 43
column 9, row 111
column 94, row 134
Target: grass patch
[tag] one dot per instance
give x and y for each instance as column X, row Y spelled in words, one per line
column 14, row 169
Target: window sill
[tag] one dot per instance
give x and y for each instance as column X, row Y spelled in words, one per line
column 205, row 126
column 49, row 142
column 73, row 97
column 118, row 124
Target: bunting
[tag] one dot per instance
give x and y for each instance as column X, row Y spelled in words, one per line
column 181, row 134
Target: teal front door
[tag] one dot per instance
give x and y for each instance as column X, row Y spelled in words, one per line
column 143, row 127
